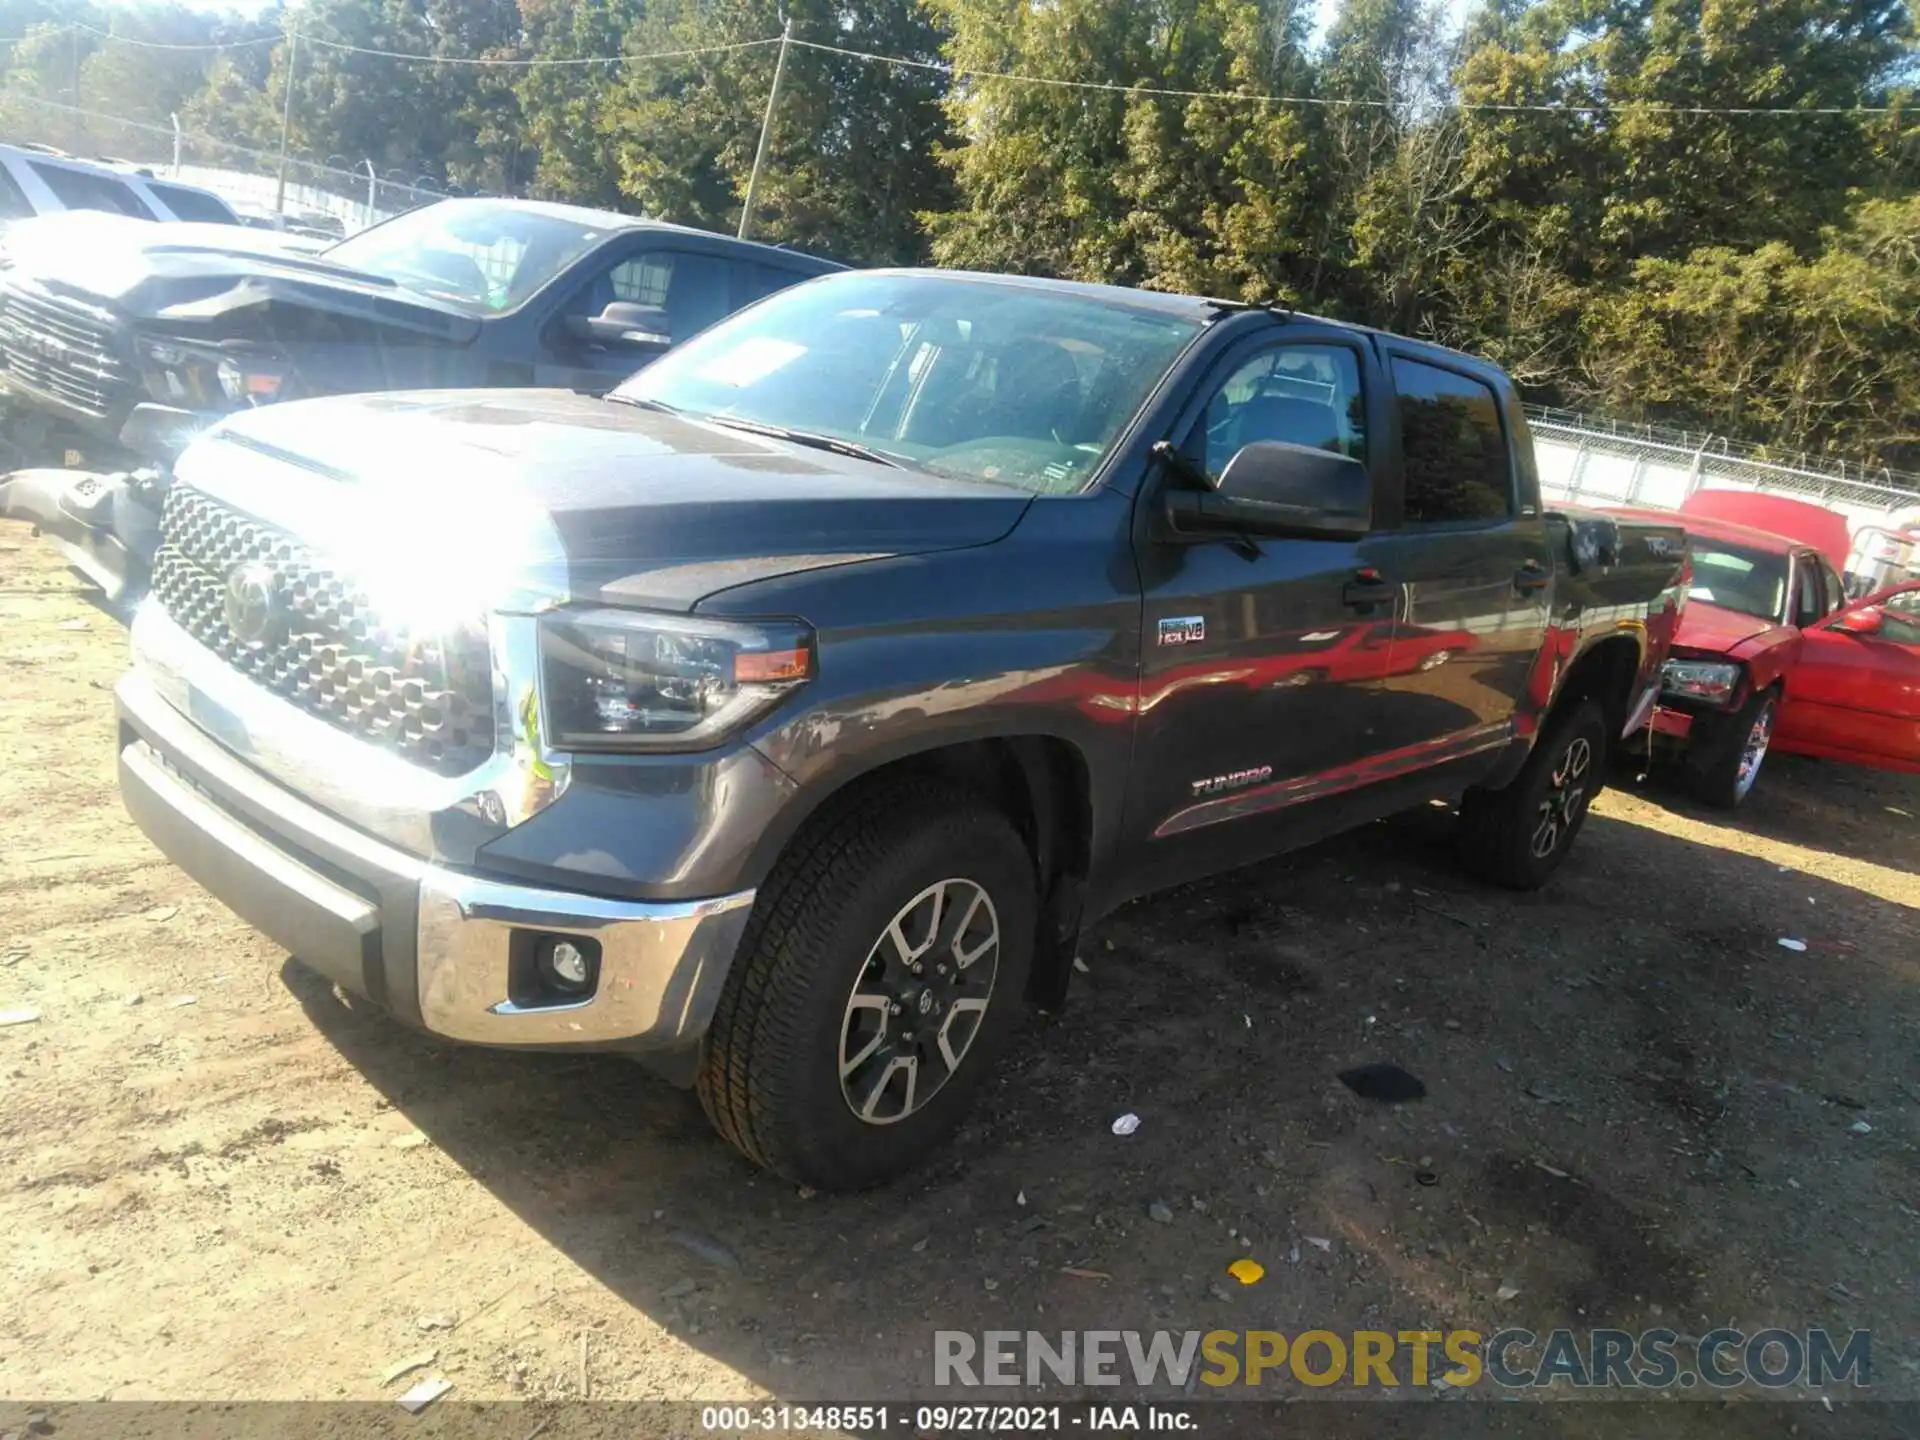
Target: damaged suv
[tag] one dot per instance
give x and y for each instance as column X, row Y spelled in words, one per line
column 118, row 341
column 782, row 718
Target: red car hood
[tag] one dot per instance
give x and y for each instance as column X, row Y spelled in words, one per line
column 1716, row 630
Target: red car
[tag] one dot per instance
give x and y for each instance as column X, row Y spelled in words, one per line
column 1771, row 655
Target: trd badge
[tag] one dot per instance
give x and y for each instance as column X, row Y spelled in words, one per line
column 1183, row 630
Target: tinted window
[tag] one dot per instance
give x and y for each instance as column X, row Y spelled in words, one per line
column 969, row 377
column 193, row 204
column 1299, row 394
column 753, row 281
column 1455, row 451
column 90, row 190
column 14, row 204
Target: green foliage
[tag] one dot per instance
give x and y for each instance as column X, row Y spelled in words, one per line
column 1559, row 184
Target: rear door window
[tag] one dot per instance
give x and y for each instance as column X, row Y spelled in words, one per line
column 91, row 190
column 1456, row 463
column 193, row 204
column 753, row 281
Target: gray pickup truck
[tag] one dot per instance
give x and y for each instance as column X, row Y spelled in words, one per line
column 783, row 717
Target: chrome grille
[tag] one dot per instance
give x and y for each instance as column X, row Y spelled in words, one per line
column 428, row 697
column 60, row 348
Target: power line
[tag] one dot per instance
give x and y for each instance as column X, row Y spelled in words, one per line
column 503, row 62
column 959, row 72
column 537, row 62
column 163, row 45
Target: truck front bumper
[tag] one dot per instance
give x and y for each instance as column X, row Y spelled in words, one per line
column 439, row 948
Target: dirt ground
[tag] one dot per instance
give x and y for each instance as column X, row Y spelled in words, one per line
column 217, row 1181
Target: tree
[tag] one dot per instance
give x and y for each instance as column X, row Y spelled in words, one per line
column 1136, row 184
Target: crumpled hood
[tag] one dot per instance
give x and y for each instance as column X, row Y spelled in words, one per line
column 1715, row 630
column 512, row 497
column 184, row 278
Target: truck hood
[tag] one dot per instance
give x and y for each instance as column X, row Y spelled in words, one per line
column 508, row 498
column 215, row 281
column 1713, row 630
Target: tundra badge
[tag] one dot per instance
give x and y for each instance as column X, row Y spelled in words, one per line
column 1183, row 630
column 1238, row 780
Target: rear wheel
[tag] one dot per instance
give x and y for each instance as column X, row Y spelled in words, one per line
column 885, row 962
column 1724, row 762
column 1518, row 835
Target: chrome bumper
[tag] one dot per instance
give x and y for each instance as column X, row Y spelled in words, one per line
column 437, row 947
column 661, row 966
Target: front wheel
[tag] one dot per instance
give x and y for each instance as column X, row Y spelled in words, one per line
column 1725, row 760
column 886, row 960
column 1517, row 835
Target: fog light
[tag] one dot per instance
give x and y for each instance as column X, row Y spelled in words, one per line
column 567, row 965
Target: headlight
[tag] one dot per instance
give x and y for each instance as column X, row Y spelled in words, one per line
column 624, row 680
column 207, row 377
column 251, row 379
column 1711, row 682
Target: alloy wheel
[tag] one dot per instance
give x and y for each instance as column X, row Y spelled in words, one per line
column 1566, row 797
column 1753, row 751
column 919, row 1001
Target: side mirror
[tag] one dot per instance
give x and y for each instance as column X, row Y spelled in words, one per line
column 1273, row 488
column 624, row 323
column 1864, row 621
column 159, row 431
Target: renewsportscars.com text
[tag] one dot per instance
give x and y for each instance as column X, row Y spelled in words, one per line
column 1656, row 1359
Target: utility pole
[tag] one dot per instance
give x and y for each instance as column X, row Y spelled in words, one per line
column 175, row 118
column 286, row 113
column 766, row 129
column 73, row 40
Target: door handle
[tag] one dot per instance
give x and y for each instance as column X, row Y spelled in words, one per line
column 1364, row 594
column 1532, row 576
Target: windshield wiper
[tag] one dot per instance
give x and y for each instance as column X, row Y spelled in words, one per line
column 807, row 437
column 644, row 404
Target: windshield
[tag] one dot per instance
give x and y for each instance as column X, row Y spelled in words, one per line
column 480, row 254
column 965, row 377
column 1733, row 577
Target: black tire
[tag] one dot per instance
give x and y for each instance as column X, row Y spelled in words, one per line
column 1716, row 767
column 1517, row 836
column 770, row 1077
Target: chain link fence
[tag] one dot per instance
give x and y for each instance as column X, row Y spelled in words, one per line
column 1597, row 462
column 350, row 194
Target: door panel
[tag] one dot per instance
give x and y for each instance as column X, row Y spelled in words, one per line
column 1261, row 663
column 1476, row 573
column 1857, row 697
